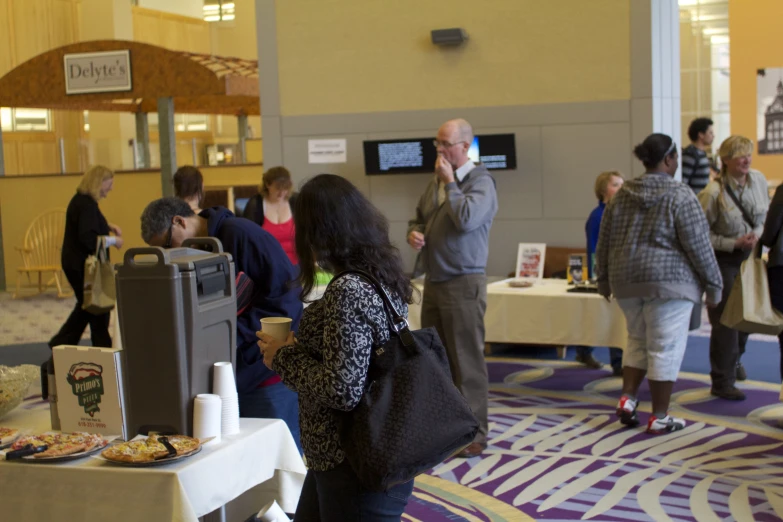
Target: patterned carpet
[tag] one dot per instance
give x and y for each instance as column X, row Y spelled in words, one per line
column 558, row 453
column 33, row 319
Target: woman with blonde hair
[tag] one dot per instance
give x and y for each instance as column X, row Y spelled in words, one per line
column 84, row 224
column 736, row 205
column 272, row 208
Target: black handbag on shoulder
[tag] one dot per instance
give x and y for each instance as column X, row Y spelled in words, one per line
column 411, row 416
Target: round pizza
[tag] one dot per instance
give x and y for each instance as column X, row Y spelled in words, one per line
column 61, row 444
column 151, row 449
column 8, row 435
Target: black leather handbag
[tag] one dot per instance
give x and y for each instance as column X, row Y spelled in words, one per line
column 411, row 416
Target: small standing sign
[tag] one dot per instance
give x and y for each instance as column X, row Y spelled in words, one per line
column 530, row 261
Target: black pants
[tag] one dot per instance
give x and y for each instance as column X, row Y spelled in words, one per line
column 338, row 496
column 775, row 276
column 73, row 329
column 726, row 344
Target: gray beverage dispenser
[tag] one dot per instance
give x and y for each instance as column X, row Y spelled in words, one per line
column 177, row 312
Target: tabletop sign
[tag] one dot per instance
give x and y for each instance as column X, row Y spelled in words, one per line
column 530, row 261
column 327, row 151
column 89, row 389
column 97, row 72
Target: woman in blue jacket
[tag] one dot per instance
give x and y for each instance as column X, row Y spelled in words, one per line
column 606, row 185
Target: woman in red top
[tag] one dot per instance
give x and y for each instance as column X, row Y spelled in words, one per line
column 272, row 209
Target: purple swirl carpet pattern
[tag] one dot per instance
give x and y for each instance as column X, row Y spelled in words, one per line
column 557, row 453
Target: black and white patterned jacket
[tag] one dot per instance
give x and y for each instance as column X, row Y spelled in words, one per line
column 655, row 242
column 328, row 365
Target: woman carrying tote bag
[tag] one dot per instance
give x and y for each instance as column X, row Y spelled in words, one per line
column 333, row 362
column 736, row 206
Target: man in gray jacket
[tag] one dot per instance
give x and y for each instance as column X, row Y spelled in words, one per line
column 451, row 233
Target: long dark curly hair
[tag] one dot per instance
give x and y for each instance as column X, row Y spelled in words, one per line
column 338, row 229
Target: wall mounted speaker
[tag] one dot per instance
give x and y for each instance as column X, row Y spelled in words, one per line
column 453, row 36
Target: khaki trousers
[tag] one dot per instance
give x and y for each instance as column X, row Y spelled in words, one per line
column 456, row 309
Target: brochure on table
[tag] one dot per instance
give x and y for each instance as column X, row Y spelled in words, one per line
column 577, row 269
column 90, row 389
column 530, row 261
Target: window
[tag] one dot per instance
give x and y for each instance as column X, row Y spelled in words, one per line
column 704, row 65
column 183, row 122
column 21, row 120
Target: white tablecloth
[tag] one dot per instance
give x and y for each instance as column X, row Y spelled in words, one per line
column 546, row 314
column 263, row 453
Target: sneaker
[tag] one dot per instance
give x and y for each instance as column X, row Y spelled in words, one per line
column 741, row 373
column 668, row 424
column 626, row 410
column 730, row 394
column 589, row 361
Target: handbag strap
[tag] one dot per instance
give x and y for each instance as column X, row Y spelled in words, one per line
column 100, row 249
column 735, row 199
column 397, row 323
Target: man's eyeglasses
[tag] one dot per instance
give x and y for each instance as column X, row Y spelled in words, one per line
column 445, row 144
column 167, row 244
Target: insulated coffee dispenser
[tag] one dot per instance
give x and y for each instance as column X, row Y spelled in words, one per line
column 177, row 312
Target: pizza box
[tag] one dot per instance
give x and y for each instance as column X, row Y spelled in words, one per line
column 90, row 390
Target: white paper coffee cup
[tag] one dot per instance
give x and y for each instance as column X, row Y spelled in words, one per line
column 277, row 327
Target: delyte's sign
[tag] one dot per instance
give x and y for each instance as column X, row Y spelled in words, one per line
column 98, row 72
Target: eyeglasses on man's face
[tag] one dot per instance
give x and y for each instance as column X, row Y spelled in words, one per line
column 445, row 144
column 167, row 244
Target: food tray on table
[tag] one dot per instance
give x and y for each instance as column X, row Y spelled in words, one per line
column 8, row 436
column 55, row 447
column 155, row 450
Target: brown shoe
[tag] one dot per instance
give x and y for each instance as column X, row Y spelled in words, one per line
column 730, row 394
column 741, row 373
column 474, row 449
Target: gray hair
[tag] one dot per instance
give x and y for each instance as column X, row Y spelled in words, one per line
column 157, row 217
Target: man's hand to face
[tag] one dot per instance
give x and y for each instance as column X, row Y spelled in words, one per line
column 444, row 170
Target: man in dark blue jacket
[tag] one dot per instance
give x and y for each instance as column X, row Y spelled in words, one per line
column 167, row 222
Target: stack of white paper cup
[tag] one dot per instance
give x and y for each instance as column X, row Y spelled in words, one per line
column 224, row 385
column 207, row 416
column 272, row 512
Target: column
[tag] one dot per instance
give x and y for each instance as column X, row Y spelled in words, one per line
column 655, row 71
column 268, row 84
column 242, row 133
column 143, row 139
column 168, row 149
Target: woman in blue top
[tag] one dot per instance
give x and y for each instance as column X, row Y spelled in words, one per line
column 606, row 185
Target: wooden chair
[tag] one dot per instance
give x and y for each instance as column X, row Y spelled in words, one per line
column 41, row 252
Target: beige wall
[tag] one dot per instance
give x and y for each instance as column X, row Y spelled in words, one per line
column 355, row 56
column 176, row 32
column 753, row 27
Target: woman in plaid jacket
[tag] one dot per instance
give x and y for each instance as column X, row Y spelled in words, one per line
column 655, row 257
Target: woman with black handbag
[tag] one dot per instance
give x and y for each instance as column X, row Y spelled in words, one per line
column 338, row 229
column 736, row 205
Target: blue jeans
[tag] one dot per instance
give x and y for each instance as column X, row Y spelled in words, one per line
column 615, row 355
column 273, row 402
column 337, row 496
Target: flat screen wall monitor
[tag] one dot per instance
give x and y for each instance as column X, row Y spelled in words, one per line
column 417, row 155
